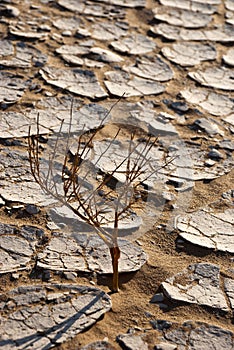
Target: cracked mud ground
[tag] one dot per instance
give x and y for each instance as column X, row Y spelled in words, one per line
column 173, row 61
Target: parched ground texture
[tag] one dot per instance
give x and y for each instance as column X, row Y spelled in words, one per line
column 169, row 66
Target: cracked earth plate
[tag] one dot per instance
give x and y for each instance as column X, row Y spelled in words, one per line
column 106, row 31
column 88, row 253
column 219, row 78
column 154, row 69
column 223, row 34
column 17, row 183
column 187, row 55
column 127, row 3
column 207, row 7
column 183, row 18
column 191, row 335
column 196, row 336
column 218, row 235
column 212, row 102
column 12, row 87
column 134, row 44
column 78, row 81
column 25, row 56
column 17, row 246
column 93, row 9
column 119, row 82
column 198, row 284
column 43, row 316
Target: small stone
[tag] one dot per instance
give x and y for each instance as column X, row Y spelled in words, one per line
column 132, row 342
column 160, row 324
column 163, row 306
column 32, row 209
column 159, row 297
column 210, row 162
column 45, row 27
column 228, row 195
column 9, row 11
column 209, row 126
column 177, row 182
column 46, row 275
column 67, row 33
column 215, row 154
column 52, row 226
column 15, row 276
column 179, row 107
column 70, row 275
column 227, row 144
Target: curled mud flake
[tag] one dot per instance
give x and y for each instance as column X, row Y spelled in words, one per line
column 208, row 7
column 76, row 54
column 209, row 125
column 106, row 31
column 219, row 78
column 93, row 9
column 27, row 31
column 118, row 81
column 12, row 88
column 212, row 102
column 154, row 69
column 182, row 18
column 126, row 3
column 25, row 57
column 69, row 23
column 223, row 34
column 188, row 55
column 134, row 44
column 78, row 81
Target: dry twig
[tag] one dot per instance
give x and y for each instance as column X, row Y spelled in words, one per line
column 89, row 205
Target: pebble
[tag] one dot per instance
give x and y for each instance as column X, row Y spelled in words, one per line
column 70, row 275
column 209, row 162
column 132, row 342
column 157, row 298
column 215, row 154
column 32, row 209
